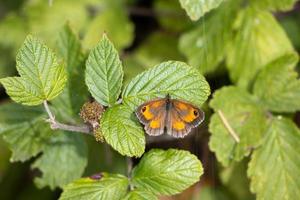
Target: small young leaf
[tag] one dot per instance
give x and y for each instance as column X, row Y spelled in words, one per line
column 175, row 78
column 246, row 118
column 24, row 129
column 122, row 131
column 259, row 40
column 42, row 78
column 274, row 5
column 167, row 172
column 75, row 92
column 104, row 73
column 205, row 48
column 63, row 160
column 197, row 8
column 277, row 85
column 140, row 195
column 274, row 168
column 109, row 186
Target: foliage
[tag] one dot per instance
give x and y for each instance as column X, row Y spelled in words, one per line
column 124, row 53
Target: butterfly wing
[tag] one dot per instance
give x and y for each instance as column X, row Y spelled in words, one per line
column 182, row 118
column 153, row 115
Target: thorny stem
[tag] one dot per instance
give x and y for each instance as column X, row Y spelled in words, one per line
column 228, row 127
column 57, row 125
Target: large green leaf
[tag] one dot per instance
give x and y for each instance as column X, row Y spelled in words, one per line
column 197, row 8
column 122, row 131
column 75, row 92
column 246, row 118
column 108, row 186
column 274, row 5
column 259, row 40
column 140, row 195
column 205, row 46
column 42, row 78
column 175, row 78
column 277, row 85
column 63, row 160
column 274, row 169
column 167, row 172
column 112, row 19
column 24, row 129
column 104, row 73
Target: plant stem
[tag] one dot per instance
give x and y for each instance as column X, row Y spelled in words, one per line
column 228, row 127
column 57, row 125
column 129, row 170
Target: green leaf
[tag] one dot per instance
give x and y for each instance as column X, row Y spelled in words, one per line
column 109, row 186
column 24, row 129
column 274, row 169
column 75, row 92
column 205, row 45
column 175, row 78
column 167, row 172
column 197, row 8
column 42, row 78
column 274, row 5
column 63, row 160
column 122, row 131
column 104, row 73
column 244, row 115
column 140, row 195
column 277, row 85
column 112, row 19
column 260, row 39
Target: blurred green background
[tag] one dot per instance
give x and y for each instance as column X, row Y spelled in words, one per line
column 146, row 32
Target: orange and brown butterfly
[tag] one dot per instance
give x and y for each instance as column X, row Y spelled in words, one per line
column 175, row 117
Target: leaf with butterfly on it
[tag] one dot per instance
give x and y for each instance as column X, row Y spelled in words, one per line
column 42, row 77
column 104, row 73
column 277, row 86
column 197, row 8
column 175, row 78
column 244, row 115
column 122, row 131
column 167, row 172
column 105, row 186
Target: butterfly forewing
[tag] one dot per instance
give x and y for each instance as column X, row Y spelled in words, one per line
column 153, row 114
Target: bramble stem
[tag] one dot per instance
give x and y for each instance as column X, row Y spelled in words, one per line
column 228, row 127
column 60, row 126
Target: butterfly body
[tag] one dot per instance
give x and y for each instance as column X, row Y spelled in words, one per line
column 171, row 116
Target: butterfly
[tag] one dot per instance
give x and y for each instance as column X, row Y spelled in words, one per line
column 175, row 117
